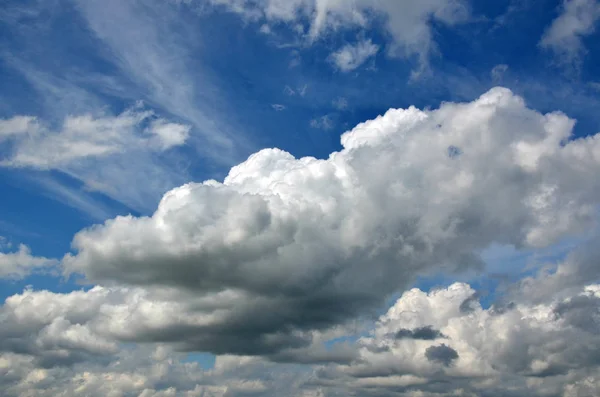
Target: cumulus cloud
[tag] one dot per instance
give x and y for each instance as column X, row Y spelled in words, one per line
column 408, row 23
column 58, row 342
column 577, row 19
column 272, row 262
column 351, row 56
column 284, row 246
column 539, row 349
column 18, row 264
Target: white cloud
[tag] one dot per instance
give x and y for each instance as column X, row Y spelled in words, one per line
column 407, row 22
column 280, row 237
column 498, row 72
column 340, row 103
column 285, row 252
column 324, row 123
column 168, row 135
column 149, row 48
column 19, row 264
column 578, row 19
column 278, row 107
column 147, row 54
column 16, row 126
column 351, row 56
column 86, row 136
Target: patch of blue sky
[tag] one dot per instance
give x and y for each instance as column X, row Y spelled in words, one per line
column 205, row 360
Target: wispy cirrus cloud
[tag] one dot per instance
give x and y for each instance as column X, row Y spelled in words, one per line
column 352, row 56
column 408, row 23
column 577, row 19
column 137, row 54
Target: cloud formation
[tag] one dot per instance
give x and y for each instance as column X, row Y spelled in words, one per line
column 20, row 263
column 274, row 263
column 53, row 342
column 578, row 18
column 408, row 23
column 86, row 136
column 539, row 349
column 285, row 246
column 352, row 56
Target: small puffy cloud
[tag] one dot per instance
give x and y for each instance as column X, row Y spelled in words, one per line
column 169, row 135
column 340, row 103
column 578, row 18
column 539, row 349
column 498, row 72
column 323, row 123
column 19, row 264
column 351, row 56
column 277, row 107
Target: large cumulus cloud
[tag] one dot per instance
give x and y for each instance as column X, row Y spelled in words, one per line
column 280, row 256
column 285, row 246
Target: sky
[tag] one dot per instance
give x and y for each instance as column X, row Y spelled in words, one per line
column 304, row 198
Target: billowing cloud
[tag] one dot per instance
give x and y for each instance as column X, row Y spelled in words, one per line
column 351, row 56
column 56, row 342
column 577, row 19
column 539, row 349
column 285, row 246
column 275, row 262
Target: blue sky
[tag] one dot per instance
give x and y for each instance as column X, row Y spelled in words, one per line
column 105, row 106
